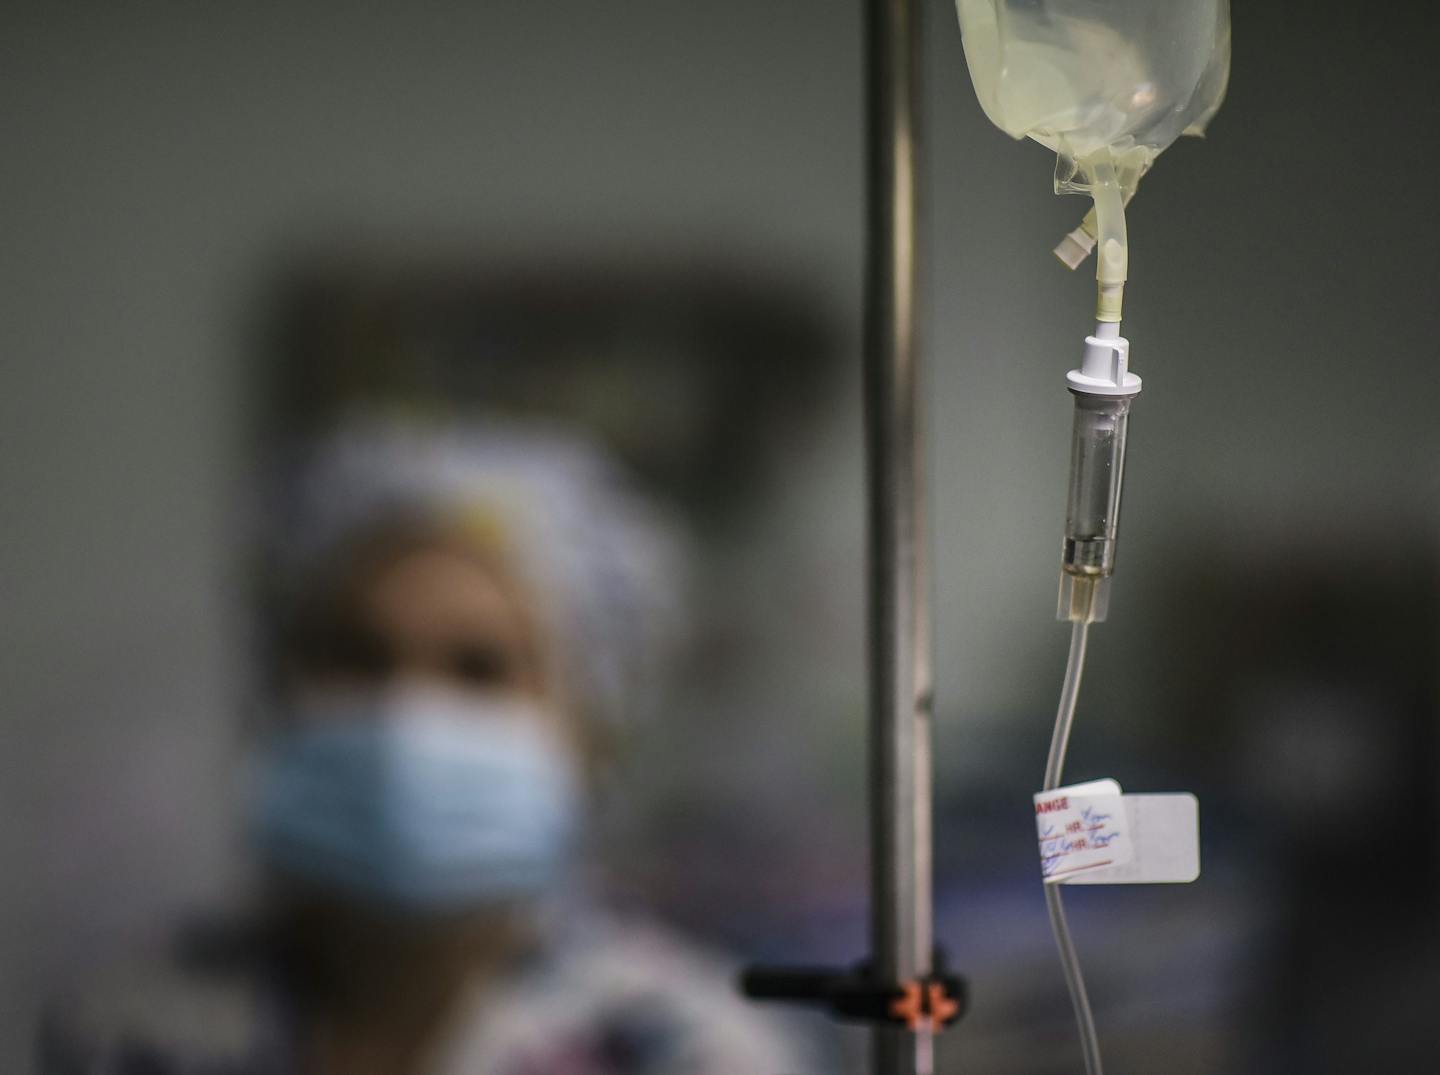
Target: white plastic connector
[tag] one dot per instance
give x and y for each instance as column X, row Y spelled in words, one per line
column 1105, row 368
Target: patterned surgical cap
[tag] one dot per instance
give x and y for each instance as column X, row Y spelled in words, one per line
column 603, row 563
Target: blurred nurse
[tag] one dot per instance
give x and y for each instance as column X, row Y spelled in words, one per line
column 465, row 618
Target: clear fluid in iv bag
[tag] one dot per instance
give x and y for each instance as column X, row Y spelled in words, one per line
column 1098, row 79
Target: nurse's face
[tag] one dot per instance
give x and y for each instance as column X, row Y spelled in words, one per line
column 415, row 610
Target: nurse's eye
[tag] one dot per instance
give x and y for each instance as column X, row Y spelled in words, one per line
column 479, row 665
column 348, row 651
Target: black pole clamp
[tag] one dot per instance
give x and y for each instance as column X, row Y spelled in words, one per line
column 932, row 1002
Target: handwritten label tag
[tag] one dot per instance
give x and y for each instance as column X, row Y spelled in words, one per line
column 1165, row 835
column 1081, row 828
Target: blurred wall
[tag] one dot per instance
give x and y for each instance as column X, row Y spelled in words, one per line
column 158, row 158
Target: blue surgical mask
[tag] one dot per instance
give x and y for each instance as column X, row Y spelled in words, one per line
column 419, row 799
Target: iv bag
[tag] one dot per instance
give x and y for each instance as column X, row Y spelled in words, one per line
column 1098, row 80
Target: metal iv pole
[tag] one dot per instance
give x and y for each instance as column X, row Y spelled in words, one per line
column 901, row 989
column 899, row 606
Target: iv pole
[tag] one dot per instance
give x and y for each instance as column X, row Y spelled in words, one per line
column 902, row 989
column 898, row 584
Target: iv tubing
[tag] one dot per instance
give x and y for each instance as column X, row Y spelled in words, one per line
column 1112, row 263
column 1054, row 767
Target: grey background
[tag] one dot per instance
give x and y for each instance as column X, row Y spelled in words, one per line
column 157, row 158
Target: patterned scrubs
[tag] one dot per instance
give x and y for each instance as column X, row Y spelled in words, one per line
column 613, row 1000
